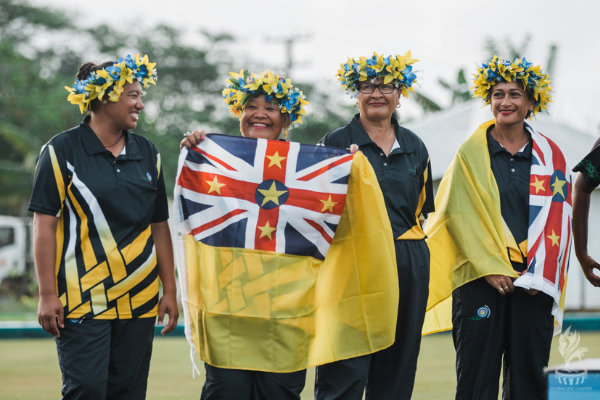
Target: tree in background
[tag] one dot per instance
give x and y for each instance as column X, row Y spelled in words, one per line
column 32, row 106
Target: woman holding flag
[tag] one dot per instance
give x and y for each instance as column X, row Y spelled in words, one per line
column 261, row 116
column 401, row 163
column 275, row 265
column 500, row 240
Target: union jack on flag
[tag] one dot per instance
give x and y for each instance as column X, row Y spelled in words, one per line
column 550, row 221
column 264, row 195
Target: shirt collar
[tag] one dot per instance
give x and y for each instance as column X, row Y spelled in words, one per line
column 361, row 137
column 93, row 145
column 495, row 147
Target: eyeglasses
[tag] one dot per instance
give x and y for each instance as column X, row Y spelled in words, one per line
column 368, row 88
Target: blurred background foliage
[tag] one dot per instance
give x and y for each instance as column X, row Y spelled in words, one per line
column 36, row 65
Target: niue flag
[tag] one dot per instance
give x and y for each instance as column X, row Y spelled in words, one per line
column 285, row 254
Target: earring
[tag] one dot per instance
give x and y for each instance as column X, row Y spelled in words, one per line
column 356, row 105
column 104, row 102
column 398, row 106
column 285, row 136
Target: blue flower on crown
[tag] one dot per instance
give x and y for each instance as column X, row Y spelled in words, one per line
column 129, row 62
column 141, row 73
column 114, row 72
column 290, row 101
column 80, row 85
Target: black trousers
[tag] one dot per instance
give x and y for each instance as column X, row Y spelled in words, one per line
column 389, row 373
column 237, row 384
column 491, row 330
column 105, row 359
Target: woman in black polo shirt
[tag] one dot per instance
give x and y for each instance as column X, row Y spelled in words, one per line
column 101, row 237
column 585, row 183
column 500, row 240
column 401, row 163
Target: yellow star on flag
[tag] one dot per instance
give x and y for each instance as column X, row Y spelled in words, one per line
column 276, row 159
column 328, row 204
column 539, row 185
column 215, row 186
column 554, row 237
column 558, row 187
column 266, row 230
column 271, row 195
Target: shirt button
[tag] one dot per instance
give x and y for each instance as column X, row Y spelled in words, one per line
column 114, row 161
column 512, row 170
column 385, row 164
column 381, row 154
column 118, row 170
column 512, row 159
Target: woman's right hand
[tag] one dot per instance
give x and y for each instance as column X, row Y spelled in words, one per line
column 502, row 283
column 192, row 139
column 50, row 311
column 588, row 264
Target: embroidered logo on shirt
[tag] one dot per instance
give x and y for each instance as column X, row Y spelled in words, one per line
column 148, row 177
column 482, row 312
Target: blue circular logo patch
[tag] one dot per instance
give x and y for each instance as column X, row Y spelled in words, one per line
column 483, row 312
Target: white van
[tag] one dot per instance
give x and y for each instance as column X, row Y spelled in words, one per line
column 15, row 246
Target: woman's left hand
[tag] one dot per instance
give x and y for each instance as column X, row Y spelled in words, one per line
column 502, row 283
column 192, row 139
column 168, row 305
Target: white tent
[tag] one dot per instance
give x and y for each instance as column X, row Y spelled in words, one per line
column 445, row 131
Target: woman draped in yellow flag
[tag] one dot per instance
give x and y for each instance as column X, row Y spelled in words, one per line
column 500, row 240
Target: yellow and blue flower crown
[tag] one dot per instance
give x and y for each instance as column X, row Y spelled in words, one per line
column 241, row 88
column 534, row 80
column 110, row 81
column 397, row 70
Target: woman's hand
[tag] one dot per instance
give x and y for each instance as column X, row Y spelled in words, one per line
column 192, row 139
column 168, row 305
column 51, row 314
column 502, row 283
column 588, row 265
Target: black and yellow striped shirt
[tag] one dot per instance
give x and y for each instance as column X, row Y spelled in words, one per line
column 106, row 263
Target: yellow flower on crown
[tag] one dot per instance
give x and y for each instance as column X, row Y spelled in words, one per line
column 392, row 69
column 110, row 81
column 242, row 86
column 533, row 79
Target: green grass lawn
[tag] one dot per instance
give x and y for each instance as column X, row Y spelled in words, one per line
column 29, row 369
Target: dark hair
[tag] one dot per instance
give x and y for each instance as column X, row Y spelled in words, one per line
column 85, row 70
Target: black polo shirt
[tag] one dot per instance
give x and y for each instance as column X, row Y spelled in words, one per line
column 404, row 175
column 590, row 168
column 512, row 177
column 106, row 260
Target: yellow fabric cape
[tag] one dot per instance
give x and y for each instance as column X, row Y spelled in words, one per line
column 267, row 311
column 467, row 236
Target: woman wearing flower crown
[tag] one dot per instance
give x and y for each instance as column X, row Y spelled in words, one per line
column 101, row 237
column 500, row 240
column 401, row 163
column 267, row 105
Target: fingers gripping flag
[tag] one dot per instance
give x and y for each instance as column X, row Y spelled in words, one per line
column 285, row 254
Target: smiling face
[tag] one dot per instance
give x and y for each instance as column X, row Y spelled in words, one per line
column 510, row 103
column 261, row 119
column 125, row 113
column 377, row 106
